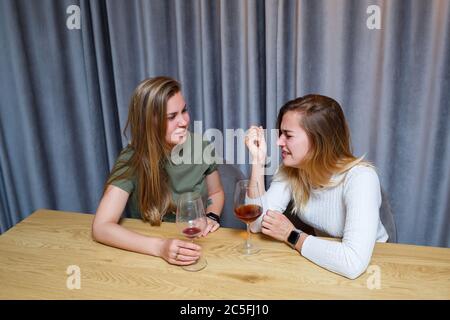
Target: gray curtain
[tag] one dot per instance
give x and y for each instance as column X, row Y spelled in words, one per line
column 65, row 92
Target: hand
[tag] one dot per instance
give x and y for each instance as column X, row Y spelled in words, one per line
column 210, row 227
column 256, row 144
column 276, row 225
column 179, row 252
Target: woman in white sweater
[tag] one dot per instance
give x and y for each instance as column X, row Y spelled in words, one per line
column 332, row 190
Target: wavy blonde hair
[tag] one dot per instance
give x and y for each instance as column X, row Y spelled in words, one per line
column 148, row 124
column 330, row 147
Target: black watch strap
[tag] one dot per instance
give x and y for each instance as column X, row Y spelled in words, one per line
column 293, row 238
column 213, row 216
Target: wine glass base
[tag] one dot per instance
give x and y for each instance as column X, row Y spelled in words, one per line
column 199, row 265
column 248, row 249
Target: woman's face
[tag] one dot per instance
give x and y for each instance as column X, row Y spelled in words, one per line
column 177, row 120
column 293, row 140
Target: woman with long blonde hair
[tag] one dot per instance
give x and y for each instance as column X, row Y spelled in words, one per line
column 331, row 190
column 147, row 180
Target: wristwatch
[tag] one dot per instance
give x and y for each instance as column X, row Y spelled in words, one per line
column 293, row 238
column 213, row 216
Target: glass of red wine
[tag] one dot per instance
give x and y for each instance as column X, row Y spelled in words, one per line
column 191, row 222
column 247, row 208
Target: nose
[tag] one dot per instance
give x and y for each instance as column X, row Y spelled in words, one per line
column 183, row 121
column 280, row 141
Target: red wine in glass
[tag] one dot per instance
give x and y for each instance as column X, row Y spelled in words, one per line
column 192, row 232
column 248, row 213
column 191, row 222
column 247, row 208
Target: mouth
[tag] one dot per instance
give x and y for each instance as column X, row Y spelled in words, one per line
column 284, row 153
column 181, row 133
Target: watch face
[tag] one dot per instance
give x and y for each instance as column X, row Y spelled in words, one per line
column 293, row 237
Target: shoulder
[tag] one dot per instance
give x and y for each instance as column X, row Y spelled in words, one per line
column 363, row 172
column 280, row 181
column 119, row 175
column 122, row 162
column 280, row 177
column 361, row 177
column 126, row 153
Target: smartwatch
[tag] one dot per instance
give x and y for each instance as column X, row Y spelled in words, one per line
column 213, row 216
column 293, row 238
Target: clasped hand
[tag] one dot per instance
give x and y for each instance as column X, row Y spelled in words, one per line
column 256, row 144
column 276, row 225
column 183, row 253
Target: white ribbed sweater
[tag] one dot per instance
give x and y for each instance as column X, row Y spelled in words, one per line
column 349, row 211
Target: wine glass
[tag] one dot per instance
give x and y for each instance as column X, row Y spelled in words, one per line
column 247, row 208
column 191, row 222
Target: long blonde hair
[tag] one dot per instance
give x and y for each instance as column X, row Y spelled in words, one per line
column 148, row 124
column 330, row 148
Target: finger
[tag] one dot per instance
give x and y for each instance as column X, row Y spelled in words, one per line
column 276, row 213
column 207, row 229
column 273, row 215
column 252, row 136
column 266, row 231
column 181, row 263
column 260, row 133
column 266, row 225
column 214, row 227
column 188, row 253
column 268, row 218
column 191, row 246
column 252, row 130
column 186, row 258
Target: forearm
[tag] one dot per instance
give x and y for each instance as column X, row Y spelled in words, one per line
column 117, row 236
column 348, row 260
column 216, row 202
column 257, row 178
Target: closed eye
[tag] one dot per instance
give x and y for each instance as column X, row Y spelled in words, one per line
column 173, row 115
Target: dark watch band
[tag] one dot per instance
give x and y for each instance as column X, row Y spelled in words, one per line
column 213, row 216
column 293, row 237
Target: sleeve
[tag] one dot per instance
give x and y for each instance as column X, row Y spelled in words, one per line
column 276, row 198
column 126, row 184
column 351, row 257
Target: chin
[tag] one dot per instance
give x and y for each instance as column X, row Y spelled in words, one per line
column 181, row 140
column 286, row 163
column 291, row 163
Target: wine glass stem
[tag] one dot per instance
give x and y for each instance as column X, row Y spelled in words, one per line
column 247, row 244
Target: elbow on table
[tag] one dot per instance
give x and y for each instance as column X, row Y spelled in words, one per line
column 354, row 272
column 97, row 232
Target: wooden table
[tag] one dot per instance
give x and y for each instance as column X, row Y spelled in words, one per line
column 35, row 256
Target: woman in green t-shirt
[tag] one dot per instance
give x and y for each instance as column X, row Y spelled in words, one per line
column 145, row 178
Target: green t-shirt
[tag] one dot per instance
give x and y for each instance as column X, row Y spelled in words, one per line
column 186, row 168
